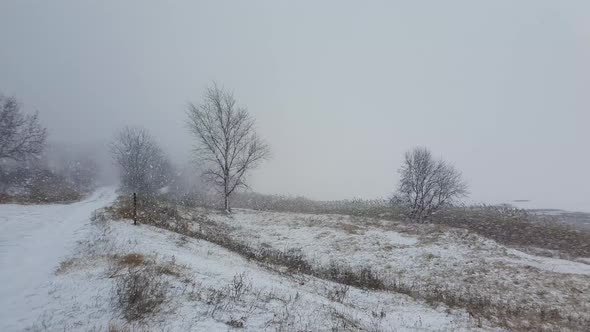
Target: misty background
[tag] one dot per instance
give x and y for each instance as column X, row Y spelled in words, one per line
column 339, row 89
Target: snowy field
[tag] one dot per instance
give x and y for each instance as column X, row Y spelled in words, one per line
column 60, row 271
column 426, row 257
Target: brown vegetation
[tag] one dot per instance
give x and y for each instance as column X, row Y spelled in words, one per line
column 140, row 293
column 511, row 315
column 131, row 260
column 518, row 228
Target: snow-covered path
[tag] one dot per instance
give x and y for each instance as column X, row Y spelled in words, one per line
column 34, row 239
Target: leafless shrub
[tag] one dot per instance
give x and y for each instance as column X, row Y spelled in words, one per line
column 285, row 317
column 140, row 293
column 170, row 268
column 338, row 293
column 292, row 258
column 376, row 323
column 239, row 286
column 217, row 299
column 235, row 323
column 364, row 277
column 227, row 297
column 427, row 185
column 343, row 322
column 143, row 166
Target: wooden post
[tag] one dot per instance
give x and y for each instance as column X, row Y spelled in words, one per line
column 134, row 209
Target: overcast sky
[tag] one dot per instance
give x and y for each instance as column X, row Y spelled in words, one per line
column 339, row 89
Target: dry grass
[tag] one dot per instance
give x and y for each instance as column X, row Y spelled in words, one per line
column 169, row 269
column 131, row 260
column 350, row 228
column 149, row 210
column 134, row 262
column 65, row 266
column 113, row 327
column 292, row 258
column 364, row 278
column 512, row 314
column 518, row 228
column 73, row 263
column 140, row 293
column 338, row 293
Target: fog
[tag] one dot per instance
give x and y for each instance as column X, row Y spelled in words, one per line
column 339, row 89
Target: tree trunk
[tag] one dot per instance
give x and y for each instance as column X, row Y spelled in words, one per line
column 226, row 191
column 134, row 209
column 226, row 203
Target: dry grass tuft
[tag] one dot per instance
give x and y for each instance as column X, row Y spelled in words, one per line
column 169, row 269
column 65, row 266
column 338, row 293
column 113, row 327
column 140, row 293
column 131, row 260
column 365, row 277
column 235, row 323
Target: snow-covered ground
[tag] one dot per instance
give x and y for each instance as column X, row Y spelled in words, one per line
column 33, row 241
column 273, row 301
column 59, row 271
column 40, row 294
column 424, row 256
column 392, row 245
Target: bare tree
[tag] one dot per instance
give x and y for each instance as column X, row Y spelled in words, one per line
column 227, row 141
column 426, row 184
column 21, row 136
column 143, row 166
column 78, row 168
